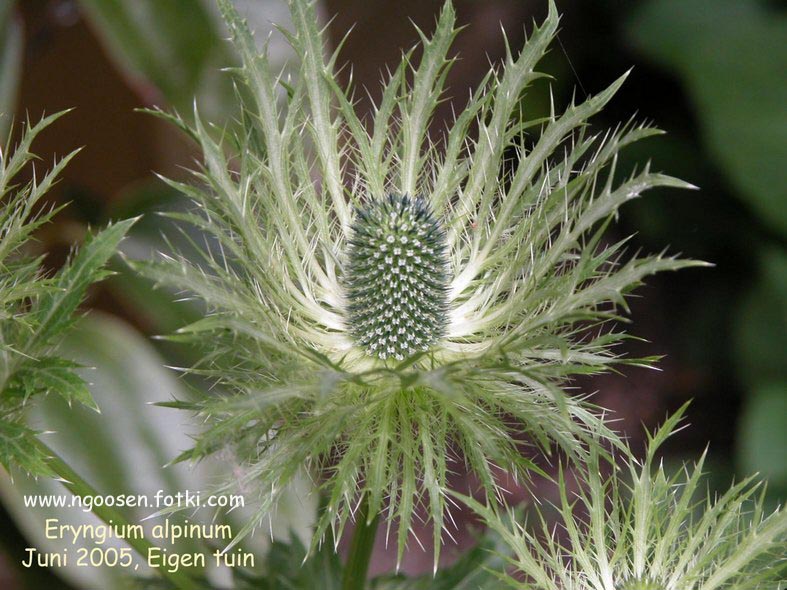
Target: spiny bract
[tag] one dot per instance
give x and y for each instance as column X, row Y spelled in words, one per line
column 641, row 528
column 517, row 291
column 397, row 277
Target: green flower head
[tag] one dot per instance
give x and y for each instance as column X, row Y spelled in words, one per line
column 384, row 308
column 396, row 278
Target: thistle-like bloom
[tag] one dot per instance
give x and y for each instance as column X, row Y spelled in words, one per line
column 382, row 307
column 645, row 530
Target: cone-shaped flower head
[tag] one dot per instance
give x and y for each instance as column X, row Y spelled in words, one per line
column 384, row 309
column 396, row 278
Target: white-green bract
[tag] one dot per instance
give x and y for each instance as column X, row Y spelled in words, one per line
column 531, row 290
column 646, row 530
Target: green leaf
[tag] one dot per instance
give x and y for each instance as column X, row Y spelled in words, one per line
column 10, row 63
column 761, row 324
column 158, row 309
column 477, row 569
column 717, row 49
column 17, row 450
column 173, row 44
column 762, row 435
column 35, row 311
column 287, row 567
column 51, row 375
column 54, row 311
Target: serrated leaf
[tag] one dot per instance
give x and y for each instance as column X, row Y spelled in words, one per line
column 52, row 375
column 54, row 311
column 124, row 449
column 18, row 451
column 287, row 567
column 35, row 311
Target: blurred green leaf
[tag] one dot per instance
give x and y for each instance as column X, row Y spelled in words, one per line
column 10, row 63
column 763, row 435
column 761, row 340
column 731, row 56
column 761, row 330
column 175, row 45
column 159, row 310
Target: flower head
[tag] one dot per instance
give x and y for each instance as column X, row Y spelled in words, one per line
column 396, row 278
column 411, row 309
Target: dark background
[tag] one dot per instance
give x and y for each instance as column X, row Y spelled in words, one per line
column 709, row 72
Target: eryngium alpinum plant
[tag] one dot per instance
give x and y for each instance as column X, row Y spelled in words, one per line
column 383, row 307
column 641, row 529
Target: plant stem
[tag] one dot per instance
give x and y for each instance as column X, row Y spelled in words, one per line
column 360, row 548
column 79, row 487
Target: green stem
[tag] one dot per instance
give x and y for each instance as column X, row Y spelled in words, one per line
column 79, row 487
column 360, row 548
